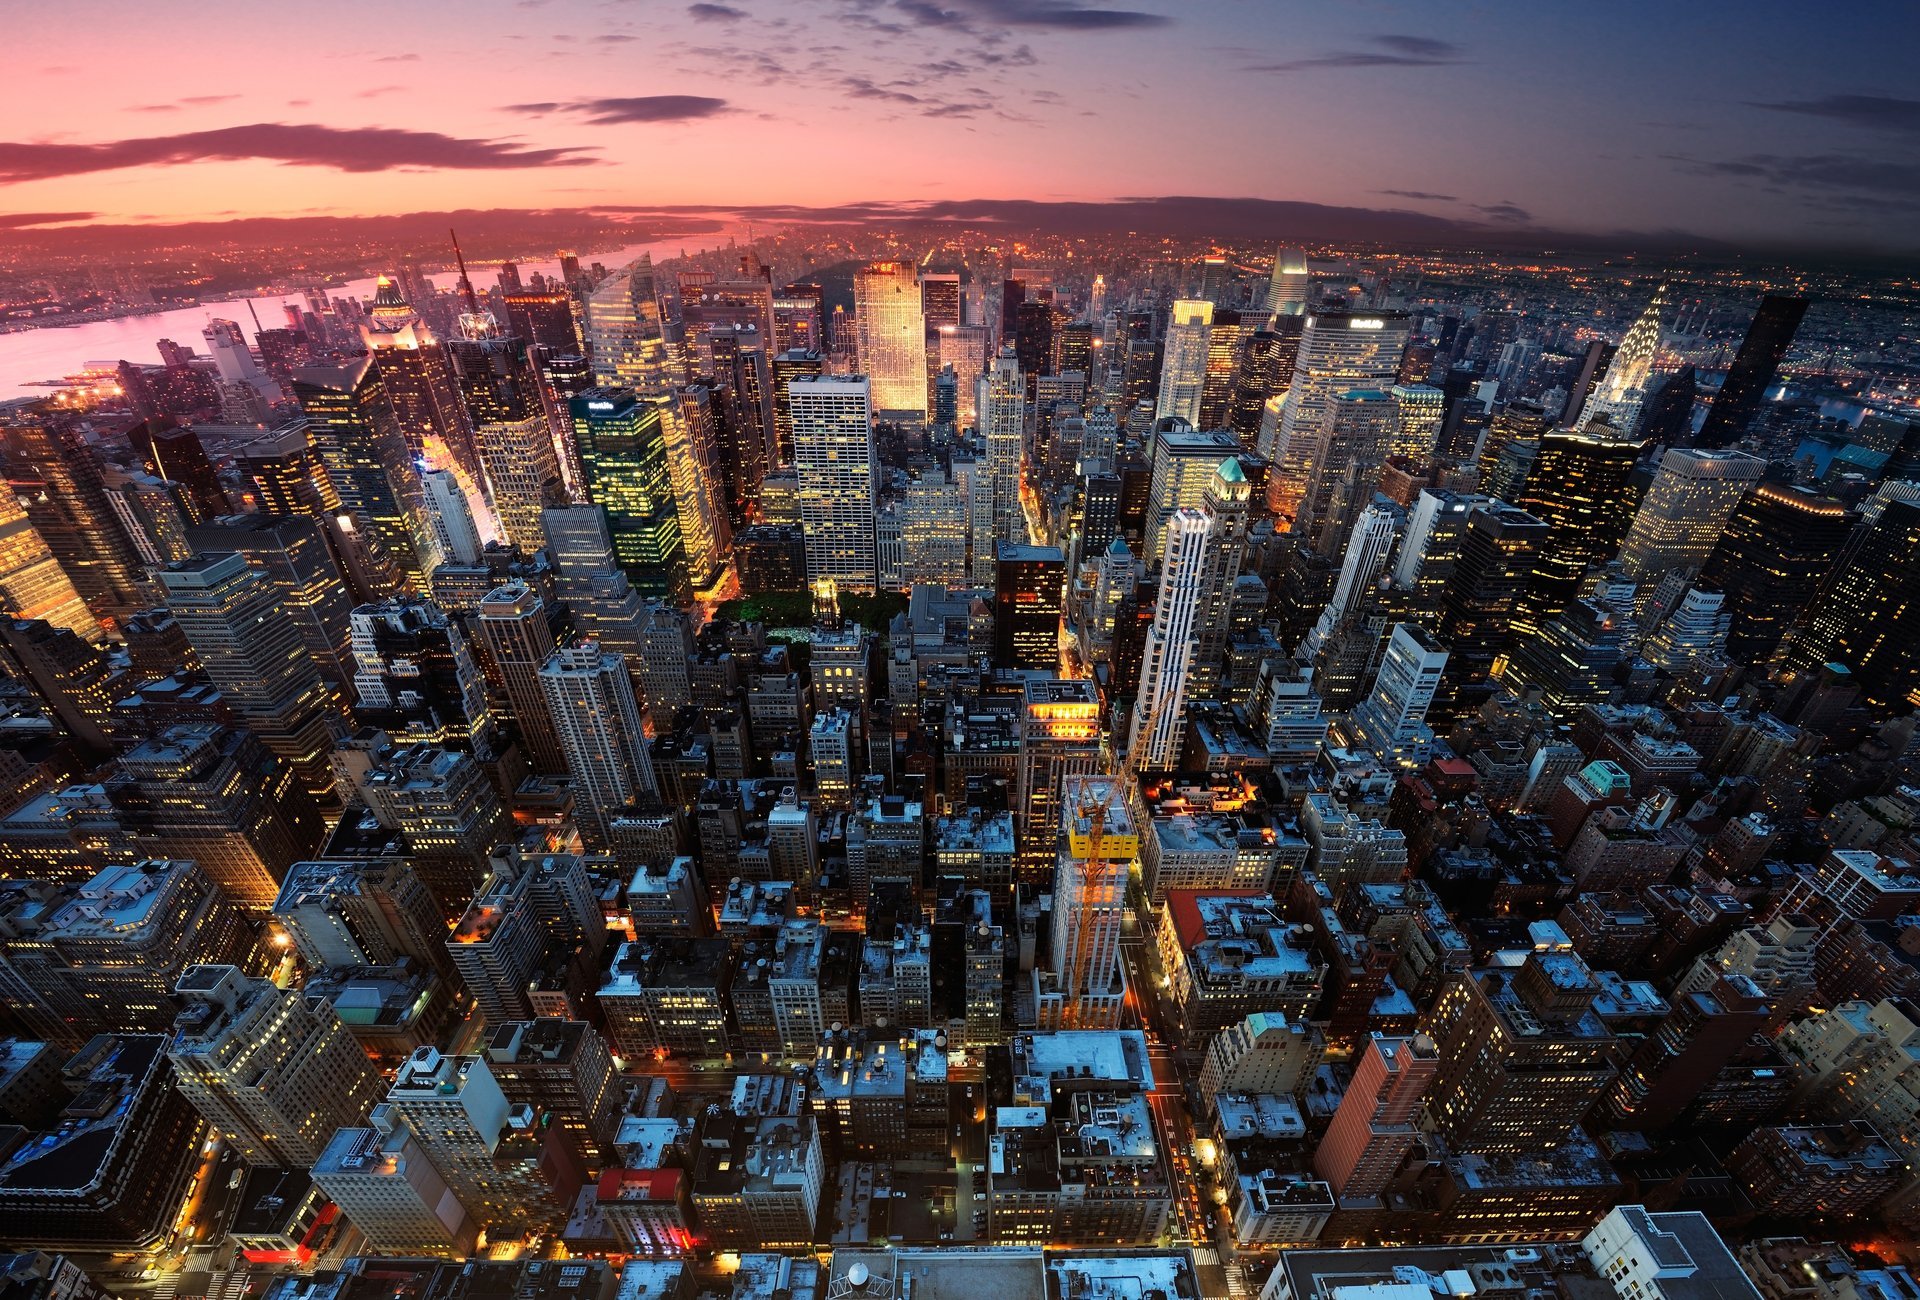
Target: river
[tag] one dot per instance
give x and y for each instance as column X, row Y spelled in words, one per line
column 54, row 352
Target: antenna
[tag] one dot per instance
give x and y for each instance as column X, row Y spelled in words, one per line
column 466, row 285
column 256, row 318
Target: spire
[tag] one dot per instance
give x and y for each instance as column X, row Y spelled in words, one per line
column 466, row 285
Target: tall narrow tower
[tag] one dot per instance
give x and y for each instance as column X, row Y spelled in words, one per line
column 1086, row 986
column 833, row 456
column 1160, row 710
column 1183, row 372
column 591, row 700
column 892, row 327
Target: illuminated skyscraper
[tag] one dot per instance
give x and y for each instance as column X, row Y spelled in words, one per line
column 624, row 330
column 56, row 475
column 358, row 440
column 1355, row 436
column 590, row 698
column 623, row 451
column 415, row 677
column 251, row 649
column 292, row 553
column 1576, row 488
column 545, row 319
column 1028, row 585
column 32, row 583
column 1086, row 987
column 940, row 298
column 1868, row 613
column 456, row 536
column 1339, row 351
column 892, row 347
column 833, row 454
column 1060, row 740
column 518, row 634
column 412, row 366
column 1002, row 416
column 1686, row 508
column 1290, row 286
column 1497, row 550
column 1753, row 369
column 1183, row 367
column 1778, row 545
column 1629, row 375
column 1418, row 410
column 1160, row 710
column 694, row 471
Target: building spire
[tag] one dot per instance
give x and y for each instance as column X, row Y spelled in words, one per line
column 466, row 285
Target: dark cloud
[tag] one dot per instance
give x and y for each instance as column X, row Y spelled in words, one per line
column 638, row 108
column 22, row 220
column 711, row 13
column 926, row 106
column 1420, row 194
column 1051, row 15
column 614, row 38
column 358, row 149
column 1879, row 112
column 187, row 101
column 1390, row 51
column 398, row 58
column 1505, row 210
column 1821, row 174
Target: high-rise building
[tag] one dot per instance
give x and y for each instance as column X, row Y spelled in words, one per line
column 273, row 1076
column 518, row 633
column 892, row 347
column 1686, row 508
column 1085, row 986
column 694, row 472
column 1002, row 414
column 383, row 1181
column 456, row 534
column 544, row 318
column 411, row 363
column 445, row 804
column 1356, row 435
column 1374, row 1128
column 295, row 556
column 1618, row 395
column 251, row 649
column 624, row 331
column 940, row 298
column 32, row 583
column 833, row 453
column 1867, row 616
column 1160, row 710
column 1575, row 489
column 1029, row 582
column 1497, row 551
column 623, row 451
column 1778, row 546
column 56, row 475
column 1183, row 369
column 590, row 699
column 362, row 913
column 358, row 439
column 1674, row 1064
column 1290, row 287
column 1753, row 369
column 523, row 474
column 1339, row 352
column 1060, row 739
column 562, row 1069
column 1391, row 721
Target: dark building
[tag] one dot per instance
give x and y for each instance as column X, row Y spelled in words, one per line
column 1867, row 616
column 1667, row 418
column 174, row 452
column 1753, row 369
column 1677, row 1063
column 1028, row 585
column 1577, row 488
column 544, row 319
column 624, row 452
column 770, row 557
column 1777, row 547
column 1498, row 550
column 1829, row 1172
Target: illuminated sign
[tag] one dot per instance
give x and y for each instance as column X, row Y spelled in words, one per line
column 599, row 406
column 1366, row 323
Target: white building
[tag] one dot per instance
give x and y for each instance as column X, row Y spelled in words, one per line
column 833, row 456
column 590, row 699
column 1160, row 709
column 1183, row 369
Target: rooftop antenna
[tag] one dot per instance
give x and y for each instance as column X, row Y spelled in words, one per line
column 256, row 318
column 466, row 285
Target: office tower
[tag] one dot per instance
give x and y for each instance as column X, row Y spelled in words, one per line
column 176, row 454
column 892, row 347
column 1418, row 410
column 1339, row 351
column 375, row 912
column 1778, row 546
column 1752, row 371
column 293, row 555
column 745, row 398
column 563, row 1070
column 1028, row 585
column 800, row 318
column 629, row 347
column 833, row 454
column 1160, row 709
column 787, row 367
column 1867, row 615
column 77, row 683
column 251, row 649
column 445, row 804
column 1374, row 1127
column 32, row 583
column 543, row 318
column 413, row 369
column 1833, row 1174
column 1666, row 418
column 933, row 530
column 1685, row 510
column 273, row 1076
column 1290, row 287
column 590, row 698
column 358, row 440
column 1694, row 633
column 56, row 476
column 233, row 359
column 1033, row 340
column 1354, row 438
column 830, row 748
column 518, row 633
column 1265, row 374
column 1498, row 548
column 623, row 451
column 1577, row 486
column 1001, row 403
column 1522, row 1055
column 1060, row 740
column 1226, row 347
column 666, row 649
column 1664, row 1077
column 940, row 298
column 415, row 677
column 215, row 795
column 385, row 1185
column 1391, row 721
column 1619, row 394
column 456, row 536
column 963, row 349
column 1098, row 847
column 287, row 475
column 694, row 472
column 1225, row 501
column 1183, row 368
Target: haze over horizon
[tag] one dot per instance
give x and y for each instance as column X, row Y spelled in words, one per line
column 1770, row 127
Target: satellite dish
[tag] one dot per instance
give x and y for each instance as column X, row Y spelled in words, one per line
column 857, row 1275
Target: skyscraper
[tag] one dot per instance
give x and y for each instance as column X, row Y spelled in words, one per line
column 1778, row 545
column 1160, row 710
column 1625, row 386
column 694, row 473
column 1576, row 489
column 518, row 634
column 624, row 330
column 1373, row 1130
column 590, row 698
column 1290, row 287
column 1753, row 369
column 456, row 535
column 1339, row 351
column 1356, row 434
column 1085, row 987
column 358, row 440
column 1868, row 613
column 32, row 583
column 892, row 329
column 251, row 649
column 1002, row 413
column 940, row 298
column 413, row 369
column 1686, row 508
column 1498, row 548
column 1029, row 582
column 833, row 454
column 1183, row 368
column 623, row 450
column 55, row 474
column 273, row 1076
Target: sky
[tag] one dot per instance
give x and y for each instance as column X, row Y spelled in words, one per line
column 1763, row 124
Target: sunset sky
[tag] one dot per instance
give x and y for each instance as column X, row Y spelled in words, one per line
column 1771, row 124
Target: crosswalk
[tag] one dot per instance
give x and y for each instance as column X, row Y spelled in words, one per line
column 166, row 1285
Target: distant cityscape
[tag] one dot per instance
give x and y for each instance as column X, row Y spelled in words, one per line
column 927, row 762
